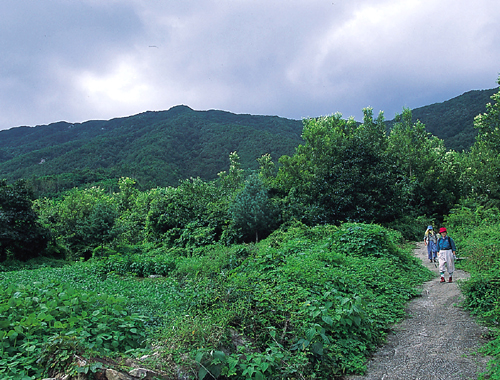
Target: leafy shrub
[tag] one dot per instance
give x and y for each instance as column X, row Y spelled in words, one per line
column 364, row 240
column 331, row 304
column 196, row 235
column 411, row 228
column 211, row 260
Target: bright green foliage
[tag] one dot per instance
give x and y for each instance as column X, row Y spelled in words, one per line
column 42, row 322
column 194, row 208
column 232, row 180
column 309, row 309
column 128, row 193
column 341, row 173
column 133, row 206
column 475, row 225
column 266, row 168
column 21, row 236
column 81, row 221
column 476, row 230
column 301, row 303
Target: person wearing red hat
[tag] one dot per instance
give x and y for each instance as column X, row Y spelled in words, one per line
column 446, row 254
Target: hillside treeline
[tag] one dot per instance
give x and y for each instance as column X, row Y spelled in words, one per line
column 343, row 172
column 154, row 148
column 453, row 120
column 294, row 270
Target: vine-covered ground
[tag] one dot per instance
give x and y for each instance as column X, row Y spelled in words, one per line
column 305, row 303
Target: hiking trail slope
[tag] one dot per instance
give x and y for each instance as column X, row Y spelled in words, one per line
column 437, row 340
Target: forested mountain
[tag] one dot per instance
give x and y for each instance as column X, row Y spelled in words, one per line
column 156, row 148
column 160, row 148
column 453, row 120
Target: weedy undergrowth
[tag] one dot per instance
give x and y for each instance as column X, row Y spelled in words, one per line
column 307, row 302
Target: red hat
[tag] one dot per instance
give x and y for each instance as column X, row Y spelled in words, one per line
column 442, row 229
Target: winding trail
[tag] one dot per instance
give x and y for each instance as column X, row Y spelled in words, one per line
column 436, row 341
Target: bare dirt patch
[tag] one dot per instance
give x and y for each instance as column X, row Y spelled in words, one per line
column 437, row 340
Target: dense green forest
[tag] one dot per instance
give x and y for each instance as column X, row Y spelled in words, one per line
column 154, row 148
column 288, row 269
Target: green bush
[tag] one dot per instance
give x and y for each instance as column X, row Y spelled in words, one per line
column 329, row 292
column 411, row 228
column 30, row 316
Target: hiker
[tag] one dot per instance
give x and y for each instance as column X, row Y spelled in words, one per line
column 430, row 240
column 446, row 254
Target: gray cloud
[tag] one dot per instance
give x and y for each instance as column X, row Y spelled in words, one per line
column 89, row 59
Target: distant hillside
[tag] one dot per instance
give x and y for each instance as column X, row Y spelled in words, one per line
column 156, row 148
column 453, row 120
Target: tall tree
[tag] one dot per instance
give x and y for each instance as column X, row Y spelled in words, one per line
column 233, row 179
column 341, row 173
column 81, row 220
column 21, row 235
column 428, row 174
column 194, row 202
column 481, row 174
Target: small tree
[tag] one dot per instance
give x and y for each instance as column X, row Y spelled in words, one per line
column 426, row 169
column 81, row 220
column 232, row 180
column 267, row 170
column 99, row 227
column 341, row 173
column 251, row 211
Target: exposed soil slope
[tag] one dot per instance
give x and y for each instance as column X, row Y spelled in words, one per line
column 436, row 341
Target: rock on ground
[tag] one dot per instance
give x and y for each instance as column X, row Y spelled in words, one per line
column 436, row 341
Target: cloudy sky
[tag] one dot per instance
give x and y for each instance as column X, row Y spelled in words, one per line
column 77, row 60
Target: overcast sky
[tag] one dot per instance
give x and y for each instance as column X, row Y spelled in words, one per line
column 77, row 60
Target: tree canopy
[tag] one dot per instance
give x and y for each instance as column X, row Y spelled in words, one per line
column 21, row 235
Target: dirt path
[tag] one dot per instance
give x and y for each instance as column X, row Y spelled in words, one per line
column 436, row 341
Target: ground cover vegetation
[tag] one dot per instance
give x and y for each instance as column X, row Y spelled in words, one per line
column 296, row 269
column 476, row 222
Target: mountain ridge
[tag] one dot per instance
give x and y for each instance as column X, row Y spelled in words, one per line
column 156, row 147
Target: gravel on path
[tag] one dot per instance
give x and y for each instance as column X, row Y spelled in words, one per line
column 437, row 340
